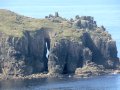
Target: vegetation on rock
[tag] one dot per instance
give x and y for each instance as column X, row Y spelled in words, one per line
column 24, row 42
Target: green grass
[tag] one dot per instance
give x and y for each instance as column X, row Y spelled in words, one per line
column 14, row 24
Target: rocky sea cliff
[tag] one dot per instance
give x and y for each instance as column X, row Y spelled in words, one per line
column 76, row 47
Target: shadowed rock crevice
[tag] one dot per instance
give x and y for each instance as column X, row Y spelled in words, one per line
column 103, row 49
column 65, row 68
column 97, row 56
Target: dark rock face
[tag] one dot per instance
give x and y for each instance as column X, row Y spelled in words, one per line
column 68, row 55
column 25, row 55
column 65, row 57
column 96, row 54
column 56, row 14
column 102, row 49
column 87, row 56
column 79, row 45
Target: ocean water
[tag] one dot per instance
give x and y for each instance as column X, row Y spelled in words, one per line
column 111, row 82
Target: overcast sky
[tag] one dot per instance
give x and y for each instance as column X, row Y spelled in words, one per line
column 105, row 12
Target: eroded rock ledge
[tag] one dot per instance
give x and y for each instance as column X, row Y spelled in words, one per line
column 77, row 46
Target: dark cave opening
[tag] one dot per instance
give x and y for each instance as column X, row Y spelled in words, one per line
column 65, row 69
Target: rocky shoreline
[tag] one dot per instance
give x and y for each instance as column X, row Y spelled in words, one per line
column 41, row 75
column 54, row 47
column 92, row 70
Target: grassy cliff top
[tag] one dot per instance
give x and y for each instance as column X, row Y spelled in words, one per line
column 14, row 24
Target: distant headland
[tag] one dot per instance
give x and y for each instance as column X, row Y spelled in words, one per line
column 76, row 47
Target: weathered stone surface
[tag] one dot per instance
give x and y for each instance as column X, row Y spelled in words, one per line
column 84, row 22
column 90, row 69
column 77, row 24
column 57, row 57
column 56, row 14
column 65, row 57
column 55, row 18
column 99, row 45
column 25, row 55
column 87, row 56
column 75, row 46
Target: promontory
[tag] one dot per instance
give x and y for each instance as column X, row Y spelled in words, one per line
column 54, row 46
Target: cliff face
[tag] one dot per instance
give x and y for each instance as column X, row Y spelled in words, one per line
column 103, row 49
column 24, row 55
column 65, row 56
column 71, row 43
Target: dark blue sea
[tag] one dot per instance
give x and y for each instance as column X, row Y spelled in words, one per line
column 111, row 82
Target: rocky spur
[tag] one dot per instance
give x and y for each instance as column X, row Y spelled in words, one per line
column 76, row 47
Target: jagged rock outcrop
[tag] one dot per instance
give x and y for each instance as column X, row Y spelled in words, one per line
column 65, row 57
column 55, row 18
column 73, row 45
column 87, row 56
column 56, row 14
column 84, row 22
column 90, row 69
column 101, row 49
column 25, row 55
